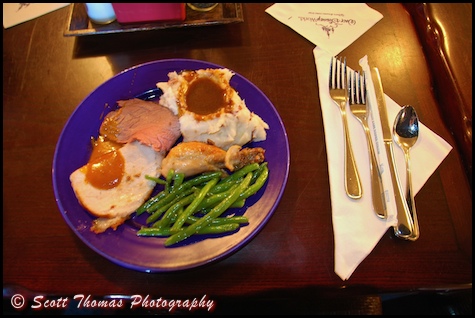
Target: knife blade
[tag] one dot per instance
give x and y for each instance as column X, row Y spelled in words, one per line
column 404, row 228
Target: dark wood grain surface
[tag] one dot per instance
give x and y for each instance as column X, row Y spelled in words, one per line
column 46, row 75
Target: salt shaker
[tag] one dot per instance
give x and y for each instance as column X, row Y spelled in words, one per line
column 101, row 13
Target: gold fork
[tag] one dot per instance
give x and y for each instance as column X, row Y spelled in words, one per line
column 359, row 108
column 339, row 94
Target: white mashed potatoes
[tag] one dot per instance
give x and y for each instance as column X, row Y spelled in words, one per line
column 209, row 109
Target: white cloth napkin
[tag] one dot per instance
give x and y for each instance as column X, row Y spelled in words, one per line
column 356, row 227
column 16, row 13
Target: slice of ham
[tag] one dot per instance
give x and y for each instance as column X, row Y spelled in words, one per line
column 148, row 122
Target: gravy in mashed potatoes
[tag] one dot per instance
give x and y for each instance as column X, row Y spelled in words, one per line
column 209, row 109
column 205, row 97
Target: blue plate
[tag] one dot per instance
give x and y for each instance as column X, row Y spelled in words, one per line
column 148, row 254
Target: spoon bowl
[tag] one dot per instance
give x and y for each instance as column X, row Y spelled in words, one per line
column 406, row 132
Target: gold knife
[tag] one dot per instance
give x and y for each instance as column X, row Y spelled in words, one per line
column 404, row 228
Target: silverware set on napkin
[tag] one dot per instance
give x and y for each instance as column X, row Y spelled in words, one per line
column 351, row 89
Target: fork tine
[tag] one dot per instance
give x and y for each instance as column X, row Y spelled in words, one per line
column 337, row 73
column 337, row 76
column 343, row 78
column 330, row 81
column 358, row 87
column 360, row 84
column 351, row 88
column 363, row 89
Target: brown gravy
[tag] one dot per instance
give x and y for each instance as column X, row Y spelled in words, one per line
column 204, row 96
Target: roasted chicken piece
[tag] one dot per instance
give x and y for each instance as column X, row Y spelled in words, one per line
column 195, row 157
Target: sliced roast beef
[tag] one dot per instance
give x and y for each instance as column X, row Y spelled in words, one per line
column 145, row 121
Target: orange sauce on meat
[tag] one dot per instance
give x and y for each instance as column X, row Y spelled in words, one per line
column 204, row 96
column 105, row 167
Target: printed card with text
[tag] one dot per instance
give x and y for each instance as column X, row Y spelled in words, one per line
column 330, row 26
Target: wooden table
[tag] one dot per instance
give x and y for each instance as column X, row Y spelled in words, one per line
column 46, row 75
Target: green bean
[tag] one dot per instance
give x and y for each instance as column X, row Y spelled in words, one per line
column 153, row 231
column 258, row 172
column 190, row 209
column 156, row 180
column 213, row 199
column 184, row 186
column 242, row 172
column 258, row 184
column 239, row 203
column 169, row 179
column 178, row 179
column 259, row 176
column 218, row 229
column 173, row 211
column 200, row 179
column 214, row 213
column 165, row 200
column 156, row 213
column 165, row 197
column 221, row 220
column 228, row 181
column 212, row 229
column 150, row 202
column 224, row 186
column 195, row 206
column 236, row 177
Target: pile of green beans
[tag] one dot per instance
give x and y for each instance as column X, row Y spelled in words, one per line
column 196, row 205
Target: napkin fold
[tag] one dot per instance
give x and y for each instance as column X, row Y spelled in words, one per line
column 357, row 229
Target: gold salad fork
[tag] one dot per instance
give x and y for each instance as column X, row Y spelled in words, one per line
column 359, row 108
column 339, row 94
